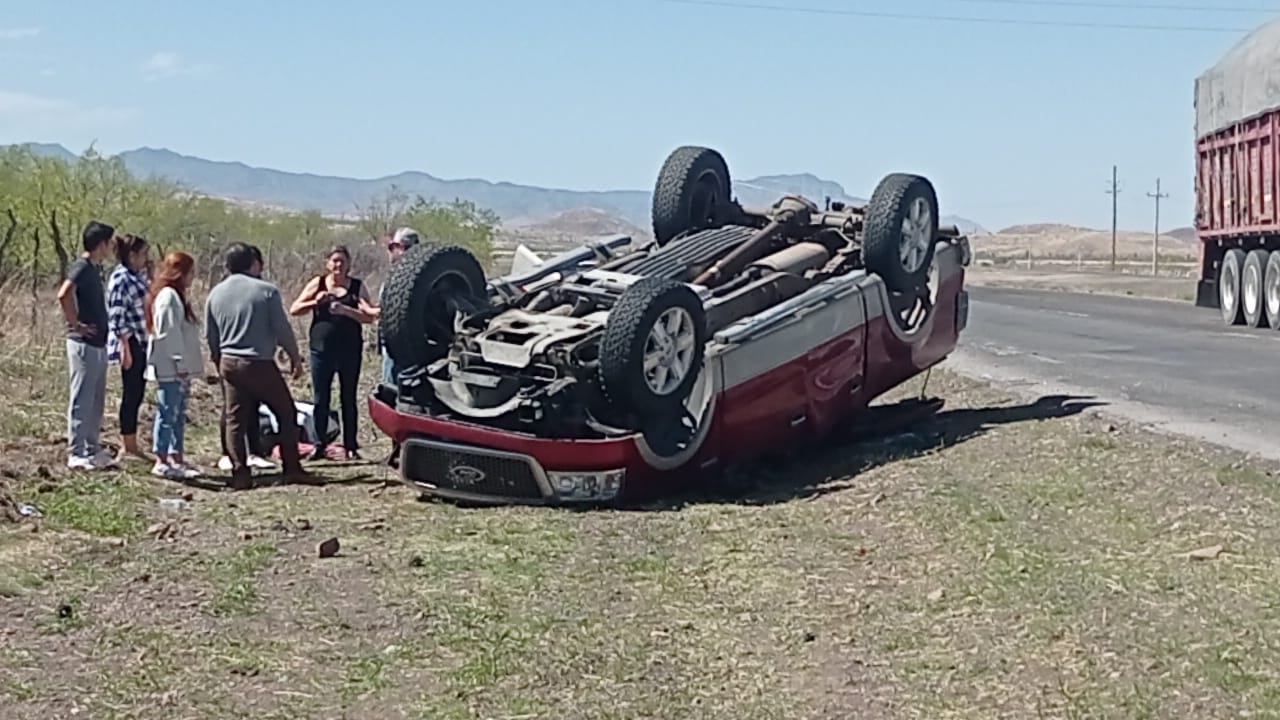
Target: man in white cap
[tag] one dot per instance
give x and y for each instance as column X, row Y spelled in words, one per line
column 403, row 239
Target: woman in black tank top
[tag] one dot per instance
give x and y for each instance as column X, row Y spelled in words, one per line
column 340, row 306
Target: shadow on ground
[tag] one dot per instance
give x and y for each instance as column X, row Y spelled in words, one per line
column 885, row 434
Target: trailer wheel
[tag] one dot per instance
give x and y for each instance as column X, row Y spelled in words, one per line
column 1252, row 288
column 1271, row 289
column 652, row 348
column 899, row 231
column 425, row 289
column 1229, row 286
column 692, row 192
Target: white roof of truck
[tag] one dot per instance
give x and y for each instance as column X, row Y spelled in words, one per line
column 1244, row 83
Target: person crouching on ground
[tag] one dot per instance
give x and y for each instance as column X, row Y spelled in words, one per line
column 174, row 357
column 245, row 322
column 127, row 340
column 84, row 308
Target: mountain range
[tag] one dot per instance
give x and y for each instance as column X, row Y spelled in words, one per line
column 515, row 204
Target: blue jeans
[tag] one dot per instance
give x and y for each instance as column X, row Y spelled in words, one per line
column 171, row 416
column 389, row 369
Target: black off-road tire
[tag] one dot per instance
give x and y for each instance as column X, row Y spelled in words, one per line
column 680, row 195
column 1253, row 272
column 413, row 324
column 626, row 334
column 1229, row 287
column 882, row 230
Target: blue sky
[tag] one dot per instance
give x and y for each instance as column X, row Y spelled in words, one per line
column 1014, row 123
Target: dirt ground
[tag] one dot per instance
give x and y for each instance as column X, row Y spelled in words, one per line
column 1001, row 560
column 1180, row 289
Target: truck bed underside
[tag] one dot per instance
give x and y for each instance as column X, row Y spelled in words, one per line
column 690, row 253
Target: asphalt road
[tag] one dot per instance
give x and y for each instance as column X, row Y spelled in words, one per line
column 1166, row 364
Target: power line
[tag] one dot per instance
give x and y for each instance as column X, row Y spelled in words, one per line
column 955, row 18
column 1122, row 6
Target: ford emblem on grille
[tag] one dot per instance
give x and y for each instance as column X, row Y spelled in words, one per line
column 465, row 475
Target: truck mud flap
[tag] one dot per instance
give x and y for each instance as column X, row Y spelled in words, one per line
column 1207, row 294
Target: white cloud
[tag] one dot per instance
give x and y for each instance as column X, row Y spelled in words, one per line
column 166, row 64
column 20, row 109
column 18, row 33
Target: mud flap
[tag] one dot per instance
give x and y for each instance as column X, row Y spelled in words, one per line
column 962, row 310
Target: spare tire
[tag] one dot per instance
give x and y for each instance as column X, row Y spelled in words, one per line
column 692, row 192
column 427, row 286
column 652, row 349
column 899, row 231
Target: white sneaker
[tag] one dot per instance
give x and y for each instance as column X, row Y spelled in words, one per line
column 162, row 470
column 261, row 463
column 255, row 462
column 75, row 462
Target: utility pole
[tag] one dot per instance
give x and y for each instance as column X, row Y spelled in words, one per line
column 1114, row 192
column 1155, row 239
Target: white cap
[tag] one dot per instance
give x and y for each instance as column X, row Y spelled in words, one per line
column 406, row 237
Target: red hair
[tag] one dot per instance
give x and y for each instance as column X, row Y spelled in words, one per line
column 175, row 266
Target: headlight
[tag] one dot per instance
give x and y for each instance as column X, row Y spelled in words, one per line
column 586, row 485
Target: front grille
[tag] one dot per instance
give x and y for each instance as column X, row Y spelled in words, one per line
column 471, row 470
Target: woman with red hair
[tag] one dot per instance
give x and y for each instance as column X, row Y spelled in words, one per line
column 174, row 356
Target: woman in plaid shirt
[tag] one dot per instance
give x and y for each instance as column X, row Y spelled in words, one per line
column 127, row 336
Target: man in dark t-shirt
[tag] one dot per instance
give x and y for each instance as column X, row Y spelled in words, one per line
column 83, row 300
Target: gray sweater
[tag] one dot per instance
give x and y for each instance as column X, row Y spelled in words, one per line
column 245, row 318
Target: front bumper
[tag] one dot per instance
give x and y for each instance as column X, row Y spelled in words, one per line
column 479, row 474
column 473, row 463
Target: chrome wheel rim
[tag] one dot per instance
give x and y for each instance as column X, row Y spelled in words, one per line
column 917, row 233
column 669, row 351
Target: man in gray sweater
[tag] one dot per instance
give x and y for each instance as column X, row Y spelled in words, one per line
column 245, row 322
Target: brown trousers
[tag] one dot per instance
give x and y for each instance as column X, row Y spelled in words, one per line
column 250, row 383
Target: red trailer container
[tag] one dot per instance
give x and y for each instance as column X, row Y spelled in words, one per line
column 1237, row 183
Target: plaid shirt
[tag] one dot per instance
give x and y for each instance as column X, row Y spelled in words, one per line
column 126, row 298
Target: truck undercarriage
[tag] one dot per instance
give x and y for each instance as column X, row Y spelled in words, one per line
column 600, row 342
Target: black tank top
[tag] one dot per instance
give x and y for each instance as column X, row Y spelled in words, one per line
column 336, row 332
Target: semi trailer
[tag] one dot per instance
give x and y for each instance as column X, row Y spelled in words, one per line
column 1237, row 178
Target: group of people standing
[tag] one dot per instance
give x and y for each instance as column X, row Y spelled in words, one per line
column 144, row 322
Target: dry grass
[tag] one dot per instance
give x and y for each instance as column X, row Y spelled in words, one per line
column 1003, row 560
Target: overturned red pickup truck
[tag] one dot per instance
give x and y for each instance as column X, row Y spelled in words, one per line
column 613, row 373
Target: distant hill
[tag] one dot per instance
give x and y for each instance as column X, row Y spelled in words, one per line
column 340, row 195
column 1061, row 241
column 578, row 222
column 1040, row 229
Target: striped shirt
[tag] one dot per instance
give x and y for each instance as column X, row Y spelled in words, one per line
column 126, row 298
